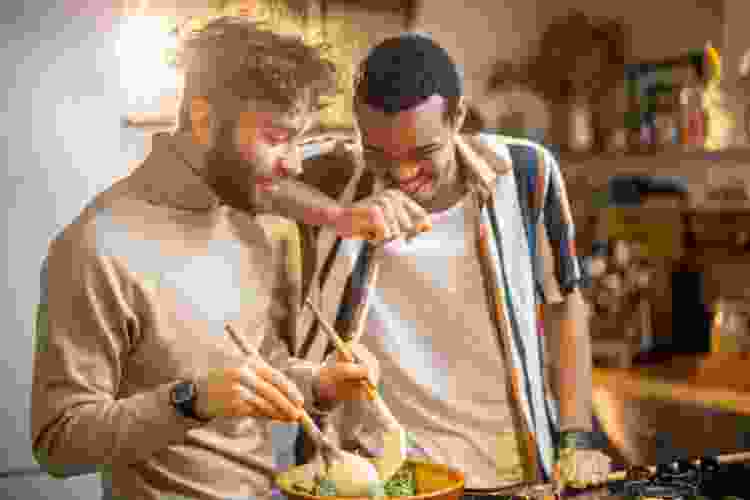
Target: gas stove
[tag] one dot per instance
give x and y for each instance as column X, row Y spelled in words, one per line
column 704, row 479
column 684, row 480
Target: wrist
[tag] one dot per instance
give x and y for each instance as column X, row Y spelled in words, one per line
column 184, row 397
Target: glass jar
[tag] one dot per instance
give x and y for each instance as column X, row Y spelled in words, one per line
column 665, row 126
column 730, row 332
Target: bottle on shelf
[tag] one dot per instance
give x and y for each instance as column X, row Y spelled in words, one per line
column 692, row 114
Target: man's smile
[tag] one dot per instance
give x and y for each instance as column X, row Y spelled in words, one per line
column 420, row 179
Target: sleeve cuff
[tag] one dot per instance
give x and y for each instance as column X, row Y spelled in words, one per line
column 577, row 440
column 155, row 410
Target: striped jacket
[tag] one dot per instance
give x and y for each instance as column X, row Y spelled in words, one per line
column 528, row 254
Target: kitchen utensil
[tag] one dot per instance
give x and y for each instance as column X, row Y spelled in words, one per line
column 338, row 343
column 394, row 439
column 352, row 474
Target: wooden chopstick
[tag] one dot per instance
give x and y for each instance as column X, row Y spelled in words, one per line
column 305, row 421
column 335, row 337
column 241, row 343
column 373, row 270
column 339, row 343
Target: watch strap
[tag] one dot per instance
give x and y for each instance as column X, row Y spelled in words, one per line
column 577, row 440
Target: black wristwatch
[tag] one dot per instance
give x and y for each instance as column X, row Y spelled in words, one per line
column 183, row 397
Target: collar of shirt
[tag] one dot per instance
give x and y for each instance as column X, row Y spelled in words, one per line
column 170, row 175
column 483, row 164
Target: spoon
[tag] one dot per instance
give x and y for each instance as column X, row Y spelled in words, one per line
column 351, row 474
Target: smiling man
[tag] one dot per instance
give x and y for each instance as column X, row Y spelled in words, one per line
column 134, row 373
column 453, row 318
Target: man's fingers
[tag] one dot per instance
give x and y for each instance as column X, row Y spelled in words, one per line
column 389, row 217
column 603, row 466
column 414, row 208
column 275, row 397
column 252, row 405
column 419, row 218
column 353, row 390
column 384, row 216
column 279, row 380
column 378, row 228
column 365, row 221
column 344, row 373
column 403, row 218
column 267, row 391
column 584, row 468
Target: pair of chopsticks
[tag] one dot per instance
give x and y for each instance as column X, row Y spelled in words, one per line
column 340, row 344
column 306, row 420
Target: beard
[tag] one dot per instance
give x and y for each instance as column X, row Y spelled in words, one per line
column 230, row 177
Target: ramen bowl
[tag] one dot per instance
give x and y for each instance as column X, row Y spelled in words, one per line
column 433, row 482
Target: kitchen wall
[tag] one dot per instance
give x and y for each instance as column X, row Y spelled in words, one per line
column 688, row 24
column 374, row 26
column 62, row 143
column 483, row 32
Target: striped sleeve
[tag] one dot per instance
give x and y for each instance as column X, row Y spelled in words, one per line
column 557, row 220
column 547, row 214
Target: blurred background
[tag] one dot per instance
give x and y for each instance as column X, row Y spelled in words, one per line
column 643, row 102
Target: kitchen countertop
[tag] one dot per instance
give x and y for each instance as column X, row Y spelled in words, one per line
column 687, row 406
column 713, row 381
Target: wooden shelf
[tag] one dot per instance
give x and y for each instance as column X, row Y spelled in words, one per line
column 708, row 381
column 736, row 154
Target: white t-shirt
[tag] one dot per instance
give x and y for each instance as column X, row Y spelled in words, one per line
column 442, row 371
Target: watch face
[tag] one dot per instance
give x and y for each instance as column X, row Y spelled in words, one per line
column 182, row 392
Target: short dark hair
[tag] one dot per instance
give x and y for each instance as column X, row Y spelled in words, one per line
column 403, row 71
column 235, row 55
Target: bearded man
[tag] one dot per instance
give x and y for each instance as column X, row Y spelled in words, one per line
column 134, row 374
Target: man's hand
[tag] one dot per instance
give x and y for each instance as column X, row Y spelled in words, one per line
column 340, row 380
column 384, row 216
column 581, row 468
column 254, row 389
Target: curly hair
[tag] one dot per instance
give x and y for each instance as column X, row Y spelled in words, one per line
column 403, row 71
column 235, row 56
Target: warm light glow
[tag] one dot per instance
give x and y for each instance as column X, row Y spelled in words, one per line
column 345, row 38
column 140, row 48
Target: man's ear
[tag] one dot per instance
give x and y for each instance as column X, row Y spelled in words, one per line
column 461, row 110
column 200, row 120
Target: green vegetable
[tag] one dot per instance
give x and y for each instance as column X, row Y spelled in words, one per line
column 325, row 488
column 403, row 483
column 377, row 490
